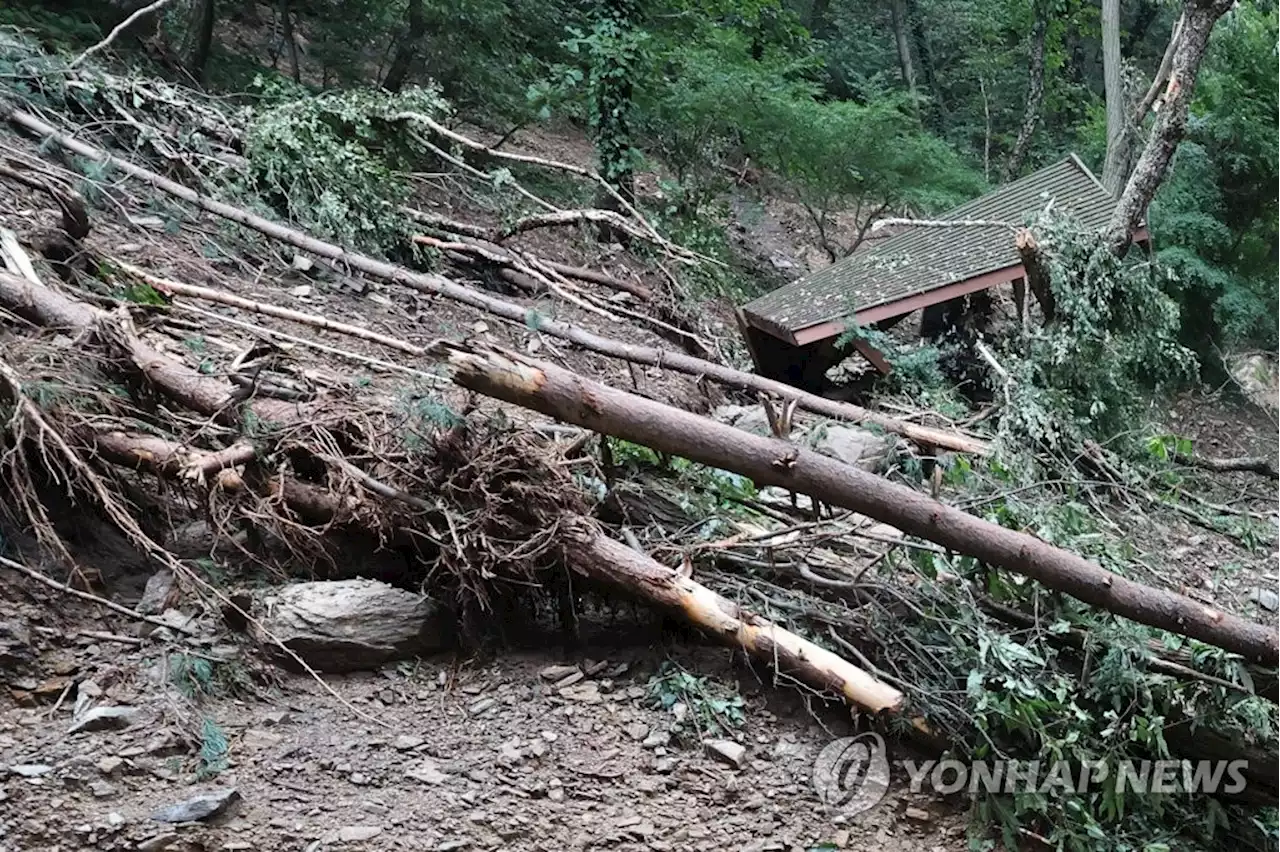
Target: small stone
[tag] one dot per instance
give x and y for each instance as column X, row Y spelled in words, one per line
column 256, row 739
column 357, row 833
column 638, row 731
column 556, row 794
column 101, row 789
column 31, row 770
column 115, row 819
column 202, row 807
column 587, row 693
column 275, row 717
column 407, row 742
column 554, row 673
column 918, row 814
column 159, row 843
column 537, row 748
column 481, row 706
column 105, row 719
column 664, row 765
column 109, row 765
column 359, row 779
column 427, row 772
column 727, row 751
column 657, row 739
column 549, row 736
column 570, row 679
column 1267, row 599
column 452, row 845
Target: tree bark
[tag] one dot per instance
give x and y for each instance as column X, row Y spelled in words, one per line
column 898, row 10
column 1035, row 98
column 407, row 49
column 441, row 286
column 602, row 559
column 198, row 40
column 1198, row 20
column 1115, row 169
column 1037, row 273
column 1161, row 78
column 205, row 394
column 286, row 15
column 562, row 394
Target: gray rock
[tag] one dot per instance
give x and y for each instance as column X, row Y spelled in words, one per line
column 157, row 592
column 357, row 833
column 481, row 706
column 105, row 719
column 159, row 843
column 1267, row 599
column 205, row 806
column 848, row 443
column 15, row 643
column 428, row 772
column 350, row 625
column 407, row 742
column 109, row 765
column 556, row 673
column 638, row 731
column 657, row 739
column 101, row 789
column 727, row 751
column 31, row 770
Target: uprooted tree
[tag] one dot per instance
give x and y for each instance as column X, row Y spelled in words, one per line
column 979, row 625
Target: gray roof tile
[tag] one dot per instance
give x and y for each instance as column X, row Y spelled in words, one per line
column 923, row 259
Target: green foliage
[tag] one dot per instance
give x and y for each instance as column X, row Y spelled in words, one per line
column 329, row 162
column 1114, row 341
column 702, row 707
column 214, row 749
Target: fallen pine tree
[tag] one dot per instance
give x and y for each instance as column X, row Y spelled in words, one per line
column 562, row 394
column 438, row 285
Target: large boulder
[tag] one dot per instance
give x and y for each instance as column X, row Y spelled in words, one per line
column 349, row 625
column 846, row 442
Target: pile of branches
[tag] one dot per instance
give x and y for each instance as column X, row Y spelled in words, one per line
column 934, row 620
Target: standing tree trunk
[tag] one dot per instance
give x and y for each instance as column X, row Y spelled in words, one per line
column 1115, row 170
column 925, row 56
column 613, row 67
column 1162, row 77
column 407, row 49
column 197, row 38
column 286, row 23
column 1198, row 19
column 898, row 9
column 1035, row 97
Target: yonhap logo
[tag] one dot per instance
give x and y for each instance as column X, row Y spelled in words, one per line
column 852, row 773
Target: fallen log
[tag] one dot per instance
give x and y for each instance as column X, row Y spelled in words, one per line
column 569, row 397
column 441, row 286
column 205, row 394
column 1245, row 464
column 602, row 559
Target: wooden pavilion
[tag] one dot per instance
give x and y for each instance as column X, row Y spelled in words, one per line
column 791, row 332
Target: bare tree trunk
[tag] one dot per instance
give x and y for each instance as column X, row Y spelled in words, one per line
column 286, row 15
column 1162, row 77
column 898, row 9
column 407, row 49
column 925, row 56
column 1035, row 98
column 605, row 560
column 1198, row 20
column 1115, row 170
column 567, row 396
column 198, row 38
